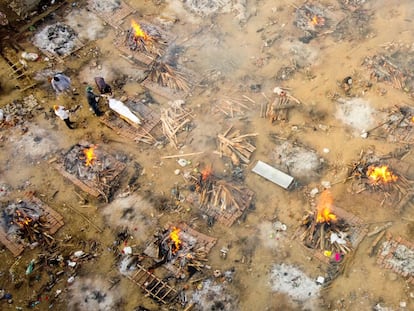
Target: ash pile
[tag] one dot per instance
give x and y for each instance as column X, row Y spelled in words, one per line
column 18, row 111
column 58, row 39
column 105, row 5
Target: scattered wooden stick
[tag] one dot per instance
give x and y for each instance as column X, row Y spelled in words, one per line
column 85, row 218
column 182, row 155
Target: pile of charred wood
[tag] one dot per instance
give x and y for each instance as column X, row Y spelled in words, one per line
column 236, row 146
column 175, row 119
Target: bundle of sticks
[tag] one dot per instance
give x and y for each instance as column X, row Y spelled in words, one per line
column 279, row 108
column 166, row 76
column 224, row 195
column 236, row 146
column 232, row 106
column 173, row 120
column 330, row 236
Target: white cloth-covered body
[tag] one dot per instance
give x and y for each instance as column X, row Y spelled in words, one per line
column 120, row 108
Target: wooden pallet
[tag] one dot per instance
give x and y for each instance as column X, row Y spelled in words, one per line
column 357, row 232
column 114, row 18
column 90, row 186
column 388, row 259
column 229, row 215
column 154, row 287
column 121, row 127
column 53, row 220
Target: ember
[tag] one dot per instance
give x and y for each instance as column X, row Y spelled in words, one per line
column 90, row 156
column 137, row 39
column 139, row 33
column 380, row 175
column 317, row 20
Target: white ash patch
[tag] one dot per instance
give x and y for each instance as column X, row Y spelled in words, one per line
column 57, row 39
column 127, row 265
column 206, row 7
column 300, row 162
column 356, row 113
column 293, row 282
column 271, row 237
column 213, row 296
column 92, row 294
column 133, row 213
column 105, row 5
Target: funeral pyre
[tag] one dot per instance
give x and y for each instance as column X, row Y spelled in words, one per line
column 166, row 75
column 181, row 249
column 25, row 222
column 325, row 231
column 219, row 199
column 142, row 37
column 89, row 165
column 397, row 127
column 311, row 19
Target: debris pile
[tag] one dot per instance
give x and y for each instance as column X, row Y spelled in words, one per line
column 57, row 39
column 236, row 146
column 232, row 107
column 105, row 5
column 17, row 112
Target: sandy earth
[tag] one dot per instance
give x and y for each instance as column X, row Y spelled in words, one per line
column 237, row 48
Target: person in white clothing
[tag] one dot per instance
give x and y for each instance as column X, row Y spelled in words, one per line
column 63, row 114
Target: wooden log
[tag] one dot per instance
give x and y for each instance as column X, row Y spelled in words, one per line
column 375, row 243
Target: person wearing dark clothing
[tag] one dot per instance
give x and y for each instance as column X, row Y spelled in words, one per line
column 92, row 101
column 103, row 87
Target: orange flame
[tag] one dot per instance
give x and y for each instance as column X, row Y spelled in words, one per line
column 324, row 208
column 206, row 173
column 412, row 119
column 317, row 21
column 174, row 236
column 380, row 174
column 22, row 220
column 139, row 33
column 90, row 155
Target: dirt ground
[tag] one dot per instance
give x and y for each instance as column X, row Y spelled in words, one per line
column 236, row 48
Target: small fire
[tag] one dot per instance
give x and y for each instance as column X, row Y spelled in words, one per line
column 412, row 119
column 206, row 173
column 90, row 156
column 139, row 33
column 324, row 208
column 174, row 236
column 22, row 220
column 318, row 21
column 380, row 174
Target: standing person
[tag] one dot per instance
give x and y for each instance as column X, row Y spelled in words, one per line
column 92, row 101
column 63, row 114
column 60, row 83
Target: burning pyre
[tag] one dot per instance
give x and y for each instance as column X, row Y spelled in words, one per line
column 25, row 222
column 180, row 249
column 324, row 230
column 141, row 37
column 373, row 175
column 91, row 168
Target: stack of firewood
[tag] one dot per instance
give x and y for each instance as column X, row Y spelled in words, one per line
column 236, row 146
column 279, row 108
column 167, row 76
column 174, row 119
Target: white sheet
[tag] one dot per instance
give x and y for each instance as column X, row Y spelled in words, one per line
column 120, row 108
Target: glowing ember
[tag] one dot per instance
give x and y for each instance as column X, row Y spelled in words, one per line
column 412, row 119
column 138, row 32
column 174, row 236
column 380, row 174
column 22, row 220
column 206, row 173
column 324, row 208
column 90, row 156
column 317, row 21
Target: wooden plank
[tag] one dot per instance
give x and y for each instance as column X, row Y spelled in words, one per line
column 272, row 174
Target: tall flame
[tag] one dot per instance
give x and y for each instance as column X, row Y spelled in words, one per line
column 324, row 208
column 174, row 236
column 90, row 156
column 139, row 33
column 380, row 174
